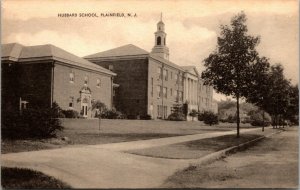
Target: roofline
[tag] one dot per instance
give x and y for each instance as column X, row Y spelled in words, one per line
column 64, row 61
column 117, row 57
column 167, row 63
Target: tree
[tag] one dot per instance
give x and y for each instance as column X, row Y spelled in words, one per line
column 258, row 88
column 276, row 99
column 193, row 114
column 228, row 68
column 293, row 104
column 100, row 106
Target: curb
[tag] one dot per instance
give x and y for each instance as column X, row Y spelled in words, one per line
column 231, row 150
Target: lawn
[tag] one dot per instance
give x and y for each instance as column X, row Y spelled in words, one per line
column 195, row 149
column 86, row 132
column 17, row 178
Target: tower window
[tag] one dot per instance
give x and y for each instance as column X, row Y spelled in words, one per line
column 158, row 40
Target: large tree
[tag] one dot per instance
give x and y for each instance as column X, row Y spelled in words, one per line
column 278, row 96
column 258, row 88
column 228, row 68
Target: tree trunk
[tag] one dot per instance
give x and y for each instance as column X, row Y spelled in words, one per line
column 237, row 116
column 263, row 127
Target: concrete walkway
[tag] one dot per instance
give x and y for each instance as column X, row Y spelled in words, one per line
column 106, row 166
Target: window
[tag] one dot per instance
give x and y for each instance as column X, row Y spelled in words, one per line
column 71, row 77
column 171, row 75
column 158, row 40
column 98, row 83
column 171, row 92
column 165, row 74
column 159, row 72
column 71, row 102
column 165, row 92
column 152, row 86
column 158, row 89
column 176, row 77
column 86, row 79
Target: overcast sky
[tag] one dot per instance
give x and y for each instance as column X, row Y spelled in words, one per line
column 192, row 27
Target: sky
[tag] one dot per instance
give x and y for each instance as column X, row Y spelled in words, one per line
column 192, row 27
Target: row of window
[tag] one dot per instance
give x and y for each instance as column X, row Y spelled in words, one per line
column 164, row 74
column 163, row 92
column 86, row 79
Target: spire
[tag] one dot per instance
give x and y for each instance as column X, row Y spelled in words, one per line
column 161, row 16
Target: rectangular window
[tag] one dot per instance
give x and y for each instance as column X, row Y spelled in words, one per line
column 165, row 74
column 72, row 78
column 171, row 92
column 86, row 79
column 98, row 83
column 159, row 72
column 176, row 77
column 165, row 92
column 158, row 89
column 152, row 86
column 71, row 101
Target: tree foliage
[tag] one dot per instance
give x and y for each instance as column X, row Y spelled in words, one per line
column 229, row 67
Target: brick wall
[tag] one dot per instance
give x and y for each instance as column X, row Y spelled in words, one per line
column 64, row 90
column 30, row 81
column 169, row 84
column 132, row 78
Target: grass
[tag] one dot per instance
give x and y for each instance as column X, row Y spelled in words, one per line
column 17, row 178
column 86, row 132
column 261, row 166
column 195, row 149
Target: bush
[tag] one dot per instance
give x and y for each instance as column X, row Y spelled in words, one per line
column 257, row 119
column 70, row 113
column 145, row 117
column 31, row 123
column 209, row 118
column 176, row 117
column 112, row 114
column 131, row 117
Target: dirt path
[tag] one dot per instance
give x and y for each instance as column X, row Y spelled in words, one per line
column 273, row 163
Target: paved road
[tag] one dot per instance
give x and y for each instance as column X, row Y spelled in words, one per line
column 106, row 166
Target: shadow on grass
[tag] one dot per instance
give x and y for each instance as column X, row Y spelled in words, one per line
column 18, row 178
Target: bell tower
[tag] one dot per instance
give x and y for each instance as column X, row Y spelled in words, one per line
column 160, row 49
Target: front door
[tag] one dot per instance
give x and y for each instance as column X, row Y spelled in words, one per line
column 84, row 109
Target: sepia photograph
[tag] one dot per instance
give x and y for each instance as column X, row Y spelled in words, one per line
column 150, row 94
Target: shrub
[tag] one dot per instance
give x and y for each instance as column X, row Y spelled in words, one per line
column 131, row 117
column 257, row 119
column 145, row 117
column 209, row 118
column 70, row 113
column 112, row 114
column 31, row 123
column 193, row 114
column 176, row 117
